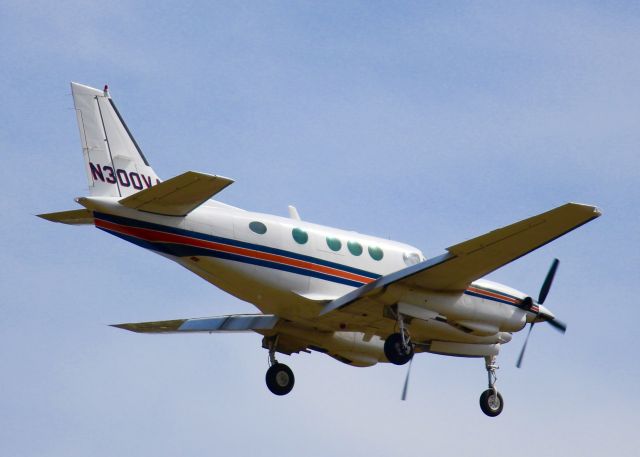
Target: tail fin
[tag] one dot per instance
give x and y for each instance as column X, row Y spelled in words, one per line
column 115, row 165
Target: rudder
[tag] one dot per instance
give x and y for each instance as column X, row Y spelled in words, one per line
column 115, row 165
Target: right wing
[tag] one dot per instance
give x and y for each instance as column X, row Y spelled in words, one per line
column 465, row 262
column 177, row 196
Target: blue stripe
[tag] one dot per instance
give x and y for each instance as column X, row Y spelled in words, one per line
column 231, row 242
column 189, row 251
column 180, row 250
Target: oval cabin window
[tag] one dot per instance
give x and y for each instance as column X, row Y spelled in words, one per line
column 299, row 235
column 375, row 252
column 355, row 248
column 258, row 227
column 411, row 258
column 334, row 244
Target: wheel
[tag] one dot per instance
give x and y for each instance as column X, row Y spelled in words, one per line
column 491, row 402
column 280, row 379
column 395, row 351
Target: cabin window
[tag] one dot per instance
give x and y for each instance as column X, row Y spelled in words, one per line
column 375, row 252
column 334, row 243
column 355, row 248
column 299, row 235
column 411, row 258
column 258, row 227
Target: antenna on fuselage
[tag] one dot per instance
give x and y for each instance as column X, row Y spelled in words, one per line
column 293, row 213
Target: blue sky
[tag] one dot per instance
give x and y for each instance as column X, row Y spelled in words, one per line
column 426, row 122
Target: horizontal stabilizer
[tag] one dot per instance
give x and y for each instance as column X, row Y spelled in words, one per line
column 177, row 196
column 73, row 217
column 230, row 323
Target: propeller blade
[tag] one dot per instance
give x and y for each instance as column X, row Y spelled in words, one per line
column 406, row 381
column 524, row 347
column 558, row 325
column 546, row 285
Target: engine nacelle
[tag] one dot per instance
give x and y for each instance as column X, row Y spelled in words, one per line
column 482, row 316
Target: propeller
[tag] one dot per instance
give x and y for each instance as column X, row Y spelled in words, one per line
column 406, row 381
column 530, row 305
column 524, row 347
column 558, row 325
column 546, row 285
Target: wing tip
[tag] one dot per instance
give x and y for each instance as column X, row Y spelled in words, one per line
column 587, row 208
column 152, row 327
column 129, row 327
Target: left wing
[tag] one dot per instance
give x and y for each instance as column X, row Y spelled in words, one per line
column 232, row 323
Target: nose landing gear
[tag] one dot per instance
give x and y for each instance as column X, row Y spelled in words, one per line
column 491, row 401
column 279, row 377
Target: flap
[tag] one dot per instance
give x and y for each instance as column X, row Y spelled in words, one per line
column 177, row 196
column 72, row 217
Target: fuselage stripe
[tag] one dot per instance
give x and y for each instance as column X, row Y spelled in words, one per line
column 159, row 238
column 492, row 295
column 232, row 242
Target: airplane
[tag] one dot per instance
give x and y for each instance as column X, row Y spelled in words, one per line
column 360, row 299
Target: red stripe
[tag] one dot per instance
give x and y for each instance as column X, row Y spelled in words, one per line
column 159, row 236
column 494, row 295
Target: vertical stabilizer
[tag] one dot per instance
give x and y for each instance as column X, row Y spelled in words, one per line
column 115, row 165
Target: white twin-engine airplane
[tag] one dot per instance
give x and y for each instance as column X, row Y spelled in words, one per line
column 358, row 298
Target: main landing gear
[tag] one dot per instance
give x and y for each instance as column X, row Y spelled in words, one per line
column 398, row 347
column 491, row 401
column 279, row 377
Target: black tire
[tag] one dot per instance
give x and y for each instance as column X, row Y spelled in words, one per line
column 395, row 351
column 280, row 379
column 491, row 404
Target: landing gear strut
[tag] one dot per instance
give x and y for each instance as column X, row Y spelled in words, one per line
column 491, row 401
column 279, row 377
column 398, row 347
